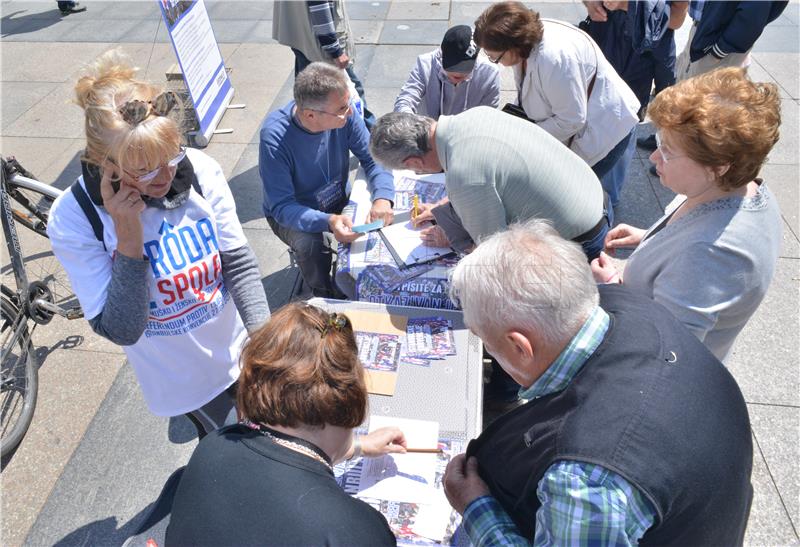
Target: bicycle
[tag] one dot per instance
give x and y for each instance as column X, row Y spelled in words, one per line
column 41, row 292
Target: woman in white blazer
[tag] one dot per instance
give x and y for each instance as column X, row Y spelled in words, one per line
column 565, row 85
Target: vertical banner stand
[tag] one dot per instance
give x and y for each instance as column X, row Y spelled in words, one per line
column 200, row 65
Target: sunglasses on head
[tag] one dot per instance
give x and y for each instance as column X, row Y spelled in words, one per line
column 136, row 111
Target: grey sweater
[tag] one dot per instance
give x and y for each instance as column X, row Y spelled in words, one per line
column 500, row 169
column 711, row 267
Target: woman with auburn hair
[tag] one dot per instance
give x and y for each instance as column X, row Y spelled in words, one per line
column 269, row 480
column 711, row 259
column 155, row 253
column 566, row 86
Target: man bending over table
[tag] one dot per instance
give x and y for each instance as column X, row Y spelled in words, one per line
column 304, row 163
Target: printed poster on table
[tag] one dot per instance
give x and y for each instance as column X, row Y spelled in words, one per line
column 380, row 338
column 200, row 61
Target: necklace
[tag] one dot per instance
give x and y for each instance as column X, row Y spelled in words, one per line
column 278, row 438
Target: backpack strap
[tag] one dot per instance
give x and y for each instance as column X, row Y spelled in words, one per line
column 88, row 209
column 196, row 186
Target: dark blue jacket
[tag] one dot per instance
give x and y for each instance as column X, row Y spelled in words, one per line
column 732, row 27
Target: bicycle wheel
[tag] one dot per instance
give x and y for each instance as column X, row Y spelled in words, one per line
column 20, row 379
column 43, row 269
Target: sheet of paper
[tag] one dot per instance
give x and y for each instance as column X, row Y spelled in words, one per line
column 407, row 243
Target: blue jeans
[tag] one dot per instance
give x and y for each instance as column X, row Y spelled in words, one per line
column 612, row 169
column 301, row 62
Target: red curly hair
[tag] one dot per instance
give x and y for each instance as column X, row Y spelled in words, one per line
column 722, row 118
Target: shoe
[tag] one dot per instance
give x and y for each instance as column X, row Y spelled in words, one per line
column 648, row 143
column 74, row 8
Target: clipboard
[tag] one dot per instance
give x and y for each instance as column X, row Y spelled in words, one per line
column 400, row 240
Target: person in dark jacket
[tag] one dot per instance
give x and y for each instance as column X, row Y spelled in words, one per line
column 269, row 480
column 638, row 40
column 632, row 431
column 723, row 34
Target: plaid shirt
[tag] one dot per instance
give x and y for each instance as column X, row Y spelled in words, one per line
column 581, row 503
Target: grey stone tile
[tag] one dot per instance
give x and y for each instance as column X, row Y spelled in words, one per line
column 41, row 65
column 36, row 154
column 245, row 121
column 413, row 32
column 776, row 429
column 787, row 149
column 97, row 30
column 364, row 55
column 260, row 64
column 778, row 39
column 381, row 100
column 143, row 31
column 65, row 167
column 53, row 116
column 72, row 383
column 227, row 154
column 261, row 33
column 55, row 31
column 764, row 357
column 465, row 13
column 246, row 186
column 758, row 73
column 31, row 10
column 278, row 274
column 374, row 10
column 791, row 14
column 768, row 523
column 22, row 21
column 790, row 248
column 19, row 97
column 637, row 205
column 414, row 9
column 571, row 12
column 120, row 10
column 784, row 181
column 366, row 32
column 390, row 65
column 233, row 31
column 239, row 9
column 784, row 69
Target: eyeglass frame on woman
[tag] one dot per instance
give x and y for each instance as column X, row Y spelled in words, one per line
column 148, row 177
column 136, row 111
column 660, row 148
column 495, row 61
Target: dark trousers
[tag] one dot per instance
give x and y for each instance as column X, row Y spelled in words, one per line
column 63, row 6
column 301, row 62
column 313, row 257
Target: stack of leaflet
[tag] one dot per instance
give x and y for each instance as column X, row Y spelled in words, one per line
column 428, row 338
column 407, row 488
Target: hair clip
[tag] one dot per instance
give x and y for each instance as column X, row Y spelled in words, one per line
column 335, row 321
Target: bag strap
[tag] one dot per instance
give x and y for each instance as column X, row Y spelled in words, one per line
column 196, row 184
column 88, row 209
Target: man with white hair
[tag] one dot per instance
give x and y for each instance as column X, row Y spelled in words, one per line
column 632, row 430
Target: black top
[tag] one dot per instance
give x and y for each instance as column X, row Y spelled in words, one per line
column 651, row 404
column 240, row 488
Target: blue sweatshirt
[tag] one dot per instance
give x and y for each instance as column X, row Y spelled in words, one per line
column 295, row 165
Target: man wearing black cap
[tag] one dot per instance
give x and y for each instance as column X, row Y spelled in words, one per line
column 451, row 79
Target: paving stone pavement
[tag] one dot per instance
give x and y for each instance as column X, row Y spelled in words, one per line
column 94, row 458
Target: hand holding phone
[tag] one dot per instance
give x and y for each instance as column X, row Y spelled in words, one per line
column 124, row 204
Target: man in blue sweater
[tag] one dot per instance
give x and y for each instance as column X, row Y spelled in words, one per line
column 304, row 163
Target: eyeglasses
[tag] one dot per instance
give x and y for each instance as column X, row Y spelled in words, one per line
column 151, row 175
column 660, row 148
column 135, row 111
column 495, row 61
column 341, row 116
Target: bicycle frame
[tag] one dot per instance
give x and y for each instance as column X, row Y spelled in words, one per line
column 27, row 297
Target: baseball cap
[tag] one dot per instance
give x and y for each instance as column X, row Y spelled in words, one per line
column 459, row 51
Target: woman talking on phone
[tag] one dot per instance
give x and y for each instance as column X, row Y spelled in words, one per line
column 154, row 250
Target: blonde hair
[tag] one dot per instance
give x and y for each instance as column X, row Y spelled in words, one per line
column 106, row 86
column 722, row 118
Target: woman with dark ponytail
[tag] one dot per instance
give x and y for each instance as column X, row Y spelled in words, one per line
column 269, row 480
